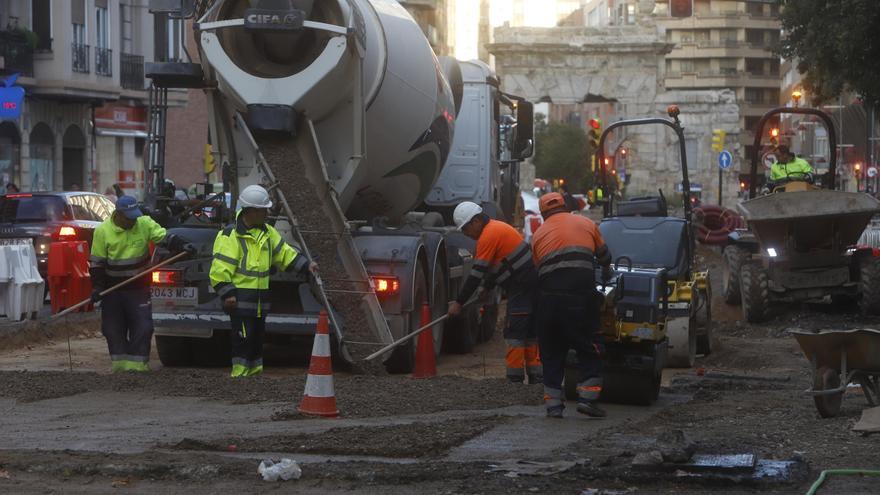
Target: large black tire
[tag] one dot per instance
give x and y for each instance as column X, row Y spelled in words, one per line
column 174, row 351
column 439, row 305
column 215, row 352
column 734, row 258
column 403, row 357
column 755, row 293
column 869, row 285
column 704, row 322
column 462, row 333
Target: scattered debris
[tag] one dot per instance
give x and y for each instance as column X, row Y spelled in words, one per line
column 675, row 447
column 870, row 421
column 4, row 474
column 648, row 459
column 285, row 470
column 601, row 491
column 515, row 468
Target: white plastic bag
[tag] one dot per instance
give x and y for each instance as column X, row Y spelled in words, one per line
column 286, row 469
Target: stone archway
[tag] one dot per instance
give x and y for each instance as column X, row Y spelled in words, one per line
column 42, row 158
column 10, row 155
column 73, row 159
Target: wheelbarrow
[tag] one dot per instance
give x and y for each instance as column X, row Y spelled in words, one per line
column 838, row 358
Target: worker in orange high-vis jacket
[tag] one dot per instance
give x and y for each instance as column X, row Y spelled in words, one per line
column 567, row 249
column 503, row 258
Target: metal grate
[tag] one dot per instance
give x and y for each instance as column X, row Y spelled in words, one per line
column 79, row 58
column 104, row 62
column 131, row 71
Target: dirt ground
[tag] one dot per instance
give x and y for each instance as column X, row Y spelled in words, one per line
column 467, row 431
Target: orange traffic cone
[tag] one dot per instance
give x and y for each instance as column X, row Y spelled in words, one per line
column 426, row 363
column 319, row 398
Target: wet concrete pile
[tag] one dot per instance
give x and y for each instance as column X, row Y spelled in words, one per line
column 413, row 440
column 288, row 165
column 31, row 332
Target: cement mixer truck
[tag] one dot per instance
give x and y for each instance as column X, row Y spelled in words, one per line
column 367, row 141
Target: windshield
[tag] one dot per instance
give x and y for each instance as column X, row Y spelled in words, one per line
column 31, row 209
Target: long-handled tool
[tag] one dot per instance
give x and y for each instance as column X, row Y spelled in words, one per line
column 123, row 283
column 413, row 334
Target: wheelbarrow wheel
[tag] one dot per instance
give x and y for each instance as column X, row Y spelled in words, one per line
column 827, row 405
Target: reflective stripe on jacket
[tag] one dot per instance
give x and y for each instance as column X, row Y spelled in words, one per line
column 117, row 254
column 243, row 259
column 502, row 258
column 567, row 241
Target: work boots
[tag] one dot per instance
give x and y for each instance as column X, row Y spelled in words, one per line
column 555, row 412
column 590, row 409
column 535, row 379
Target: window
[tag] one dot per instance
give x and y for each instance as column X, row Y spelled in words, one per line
column 753, row 95
column 755, row 37
column 752, row 123
column 687, row 65
column 755, row 66
column 167, row 38
column 91, row 207
column 755, row 9
column 41, row 21
column 103, row 54
column 727, row 66
column 27, row 209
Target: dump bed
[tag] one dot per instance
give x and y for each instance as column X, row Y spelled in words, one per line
column 813, row 218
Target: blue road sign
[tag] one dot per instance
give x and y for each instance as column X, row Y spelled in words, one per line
column 725, row 160
column 11, row 98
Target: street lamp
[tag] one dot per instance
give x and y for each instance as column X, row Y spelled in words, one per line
column 796, row 95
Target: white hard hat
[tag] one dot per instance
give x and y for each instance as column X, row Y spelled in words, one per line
column 255, row 197
column 465, row 212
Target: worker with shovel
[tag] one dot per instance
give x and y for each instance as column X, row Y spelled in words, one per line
column 503, row 258
column 244, row 255
column 121, row 250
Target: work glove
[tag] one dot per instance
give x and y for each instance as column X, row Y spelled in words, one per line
column 96, row 296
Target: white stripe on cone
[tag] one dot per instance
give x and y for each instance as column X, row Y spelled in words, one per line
column 321, row 348
column 319, row 386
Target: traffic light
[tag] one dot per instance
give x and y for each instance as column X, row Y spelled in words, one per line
column 857, row 168
column 774, row 136
column 718, row 137
column 594, row 133
column 208, row 159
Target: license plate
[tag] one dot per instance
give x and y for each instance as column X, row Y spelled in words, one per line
column 15, row 242
column 175, row 296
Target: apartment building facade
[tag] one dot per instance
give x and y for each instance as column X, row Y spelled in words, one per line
column 83, row 123
column 725, row 44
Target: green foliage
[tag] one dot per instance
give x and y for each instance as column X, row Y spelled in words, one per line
column 836, row 44
column 30, row 37
column 561, row 154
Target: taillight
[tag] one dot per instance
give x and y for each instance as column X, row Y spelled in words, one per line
column 19, row 195
column 166, row 277
column 65, row 233
column 386, row 285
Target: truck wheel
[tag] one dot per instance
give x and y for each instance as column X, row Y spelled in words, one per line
column 403, row 357
column 214, row 352
column 755, row 293
column 704, row 322
column 439, row 305
column 174, row 351
column 869, row 285
column 734, row 257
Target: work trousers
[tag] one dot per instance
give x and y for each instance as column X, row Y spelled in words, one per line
column 247, row 345
column 569, row 320
column 127, row 324
column 521, row 336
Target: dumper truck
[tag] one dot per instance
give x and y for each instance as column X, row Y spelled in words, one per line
column 367, row 141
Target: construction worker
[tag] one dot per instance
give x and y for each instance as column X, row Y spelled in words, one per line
column 121, row 249
column 503, row 259
column 244, row 254
column 566, row 250
column 789, row 166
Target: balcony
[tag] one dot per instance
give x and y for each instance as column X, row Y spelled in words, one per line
column 131, row 73
column 79, row 58
column 103, row 62
column 16, row 55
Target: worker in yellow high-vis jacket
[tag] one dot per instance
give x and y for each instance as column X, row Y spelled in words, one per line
column 244, row 254
column 121, row 249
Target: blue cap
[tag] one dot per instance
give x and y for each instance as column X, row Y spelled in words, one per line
column 129, row 207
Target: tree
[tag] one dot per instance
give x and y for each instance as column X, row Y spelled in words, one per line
column 561, row 154
column 836, row 45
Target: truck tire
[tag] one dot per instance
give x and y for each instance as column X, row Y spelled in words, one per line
column 403, row 357
column 214, row 352
column 734, row 258
column 439, row 305
column 869, row 285
column 174, row 351
column 755, row 293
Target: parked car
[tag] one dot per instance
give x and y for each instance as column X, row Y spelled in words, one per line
column 44, row 217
